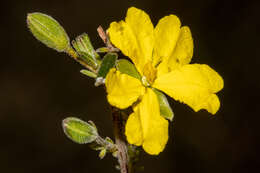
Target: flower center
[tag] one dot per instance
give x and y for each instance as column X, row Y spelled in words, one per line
column 150, row 74
column 145, row 82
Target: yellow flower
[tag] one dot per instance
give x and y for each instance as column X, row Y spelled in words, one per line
column 161, row 56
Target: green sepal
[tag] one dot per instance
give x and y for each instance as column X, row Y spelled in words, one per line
column 108, row 62
column 79, row 131
column 165, row 108
column 48, row 31
column 126, row 67
column 88, row 73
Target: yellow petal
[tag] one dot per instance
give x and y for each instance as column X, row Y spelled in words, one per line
column 122, row 90
column 162, row 68
column 133, row 129
column 154, row 126
column 183, row 51
column 166, row 35
column 134, row 37
column 193, row 84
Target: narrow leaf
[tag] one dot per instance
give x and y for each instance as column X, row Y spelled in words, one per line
column 88, row 73
column 79, row 131
column 165, row 108
column 108, row 62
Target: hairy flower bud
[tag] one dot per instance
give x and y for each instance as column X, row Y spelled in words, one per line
column 48, row 31
column 79, row 131
column 84, row 48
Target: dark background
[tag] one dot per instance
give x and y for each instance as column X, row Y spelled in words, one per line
column 39, row 87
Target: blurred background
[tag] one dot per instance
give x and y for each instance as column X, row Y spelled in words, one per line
column 40, row 87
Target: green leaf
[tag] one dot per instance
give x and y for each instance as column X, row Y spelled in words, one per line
column 88, row 73
column 48, row 31
column 79, row 131
column 126, row 67
column 165, row 108
column 108, row 62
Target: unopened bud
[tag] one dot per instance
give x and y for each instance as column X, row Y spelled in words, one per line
column 79, row 131
column 48, row 31
column 84, row 48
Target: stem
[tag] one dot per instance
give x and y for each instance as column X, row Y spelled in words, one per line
column 124, row 160
column 122, row 156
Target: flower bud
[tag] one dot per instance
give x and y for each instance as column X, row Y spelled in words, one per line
column 48, row 31
column 84, row 48
column 83, row 44
column 79, row 131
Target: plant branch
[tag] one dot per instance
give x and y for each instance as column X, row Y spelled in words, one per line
column 122, row 155
column 118, row 120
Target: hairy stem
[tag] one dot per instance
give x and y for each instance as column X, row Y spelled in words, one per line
column 122, row 155
column 118, row 121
